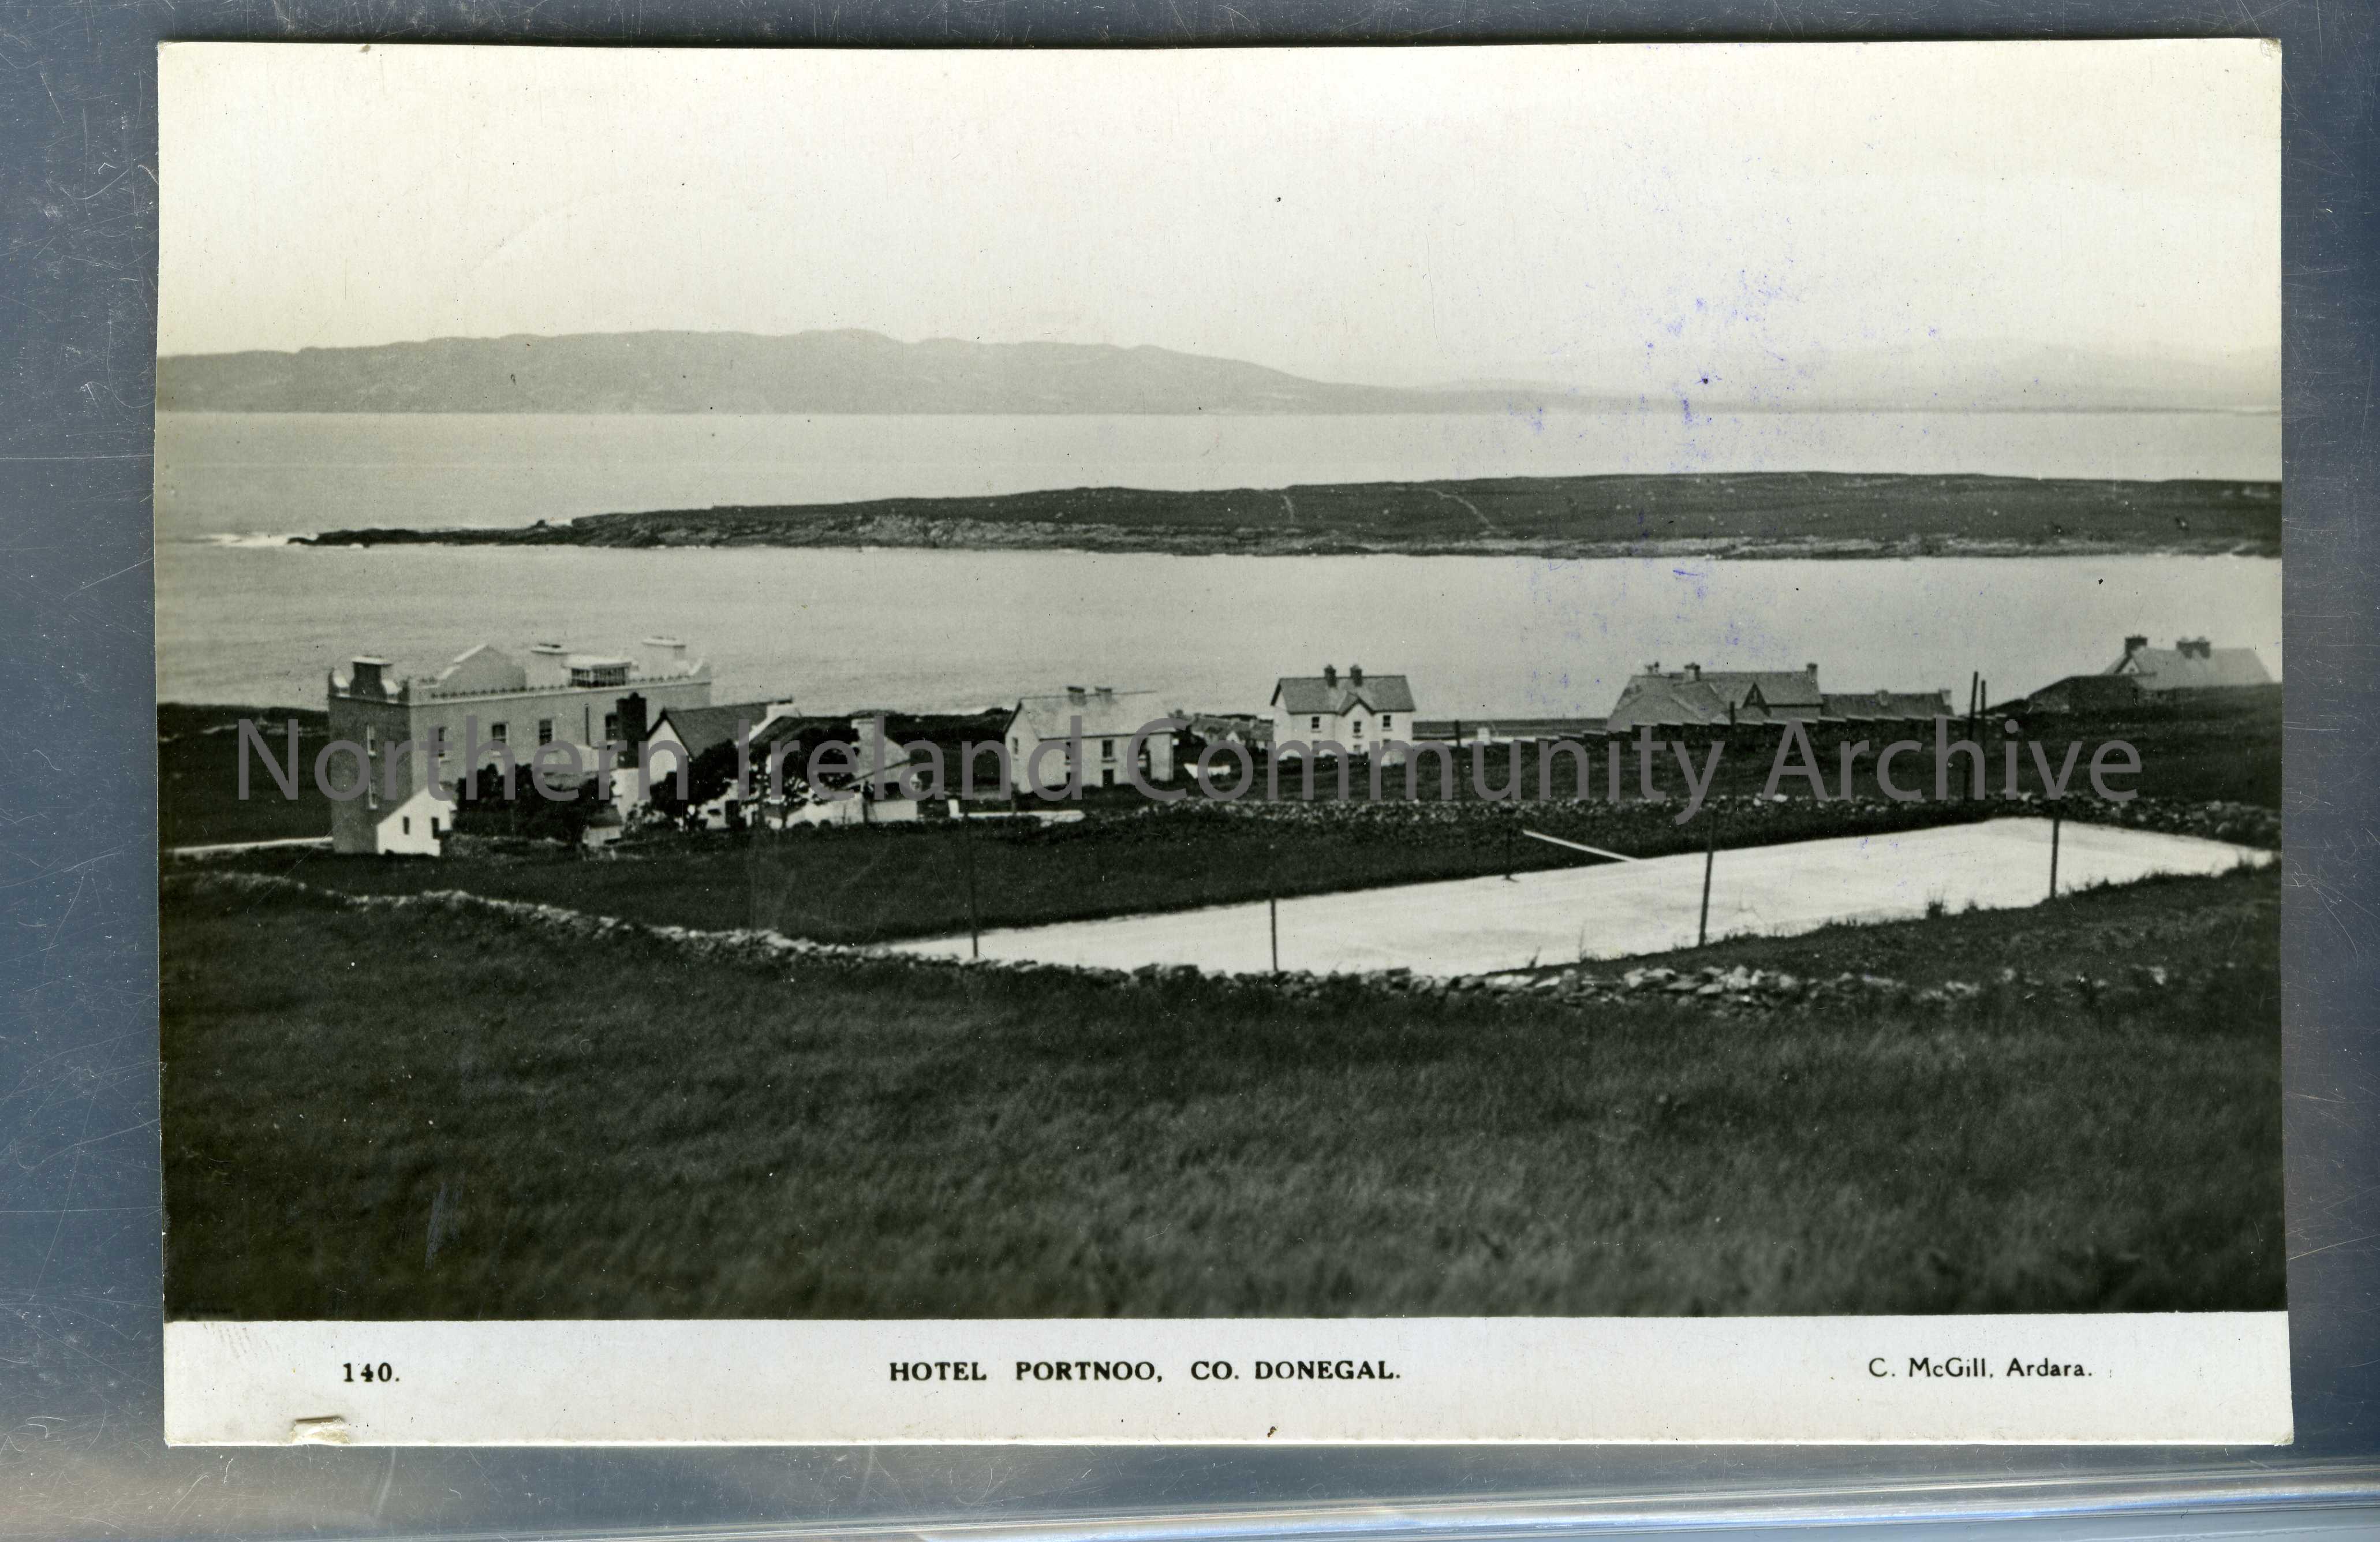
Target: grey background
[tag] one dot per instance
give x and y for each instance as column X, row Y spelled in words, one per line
column 79, row 1453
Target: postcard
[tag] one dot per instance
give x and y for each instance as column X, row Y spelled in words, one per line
column 1468, row 744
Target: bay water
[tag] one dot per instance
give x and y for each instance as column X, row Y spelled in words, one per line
column 243, row 617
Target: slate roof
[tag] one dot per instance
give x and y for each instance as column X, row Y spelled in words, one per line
column 1779, row 687
column 1711, row 695
column 698, row 728
column 2192, row 664
column 1310, row 694
column 1693, row 698
column 1886, row 706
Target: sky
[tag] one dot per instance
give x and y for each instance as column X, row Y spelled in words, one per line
column 1596, row 216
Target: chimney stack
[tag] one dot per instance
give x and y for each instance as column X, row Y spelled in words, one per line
column 2134, row 643
column 1693, row 672
column 1331, row 674
column 632, row 718
column 1354, row 674
column 1811, row 669
column 366, row 679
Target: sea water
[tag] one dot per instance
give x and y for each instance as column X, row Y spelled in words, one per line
column 243, row 617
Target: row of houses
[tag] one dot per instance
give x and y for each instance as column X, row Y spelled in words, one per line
column 565, row 710
column 1356, row 709
column 557, row 706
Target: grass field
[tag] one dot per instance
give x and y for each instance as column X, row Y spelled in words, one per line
column 424, row 1115
column 1808, row 513
column 197, row 776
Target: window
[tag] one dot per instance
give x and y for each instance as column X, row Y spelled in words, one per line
column 1387, row 722
column 611, row 726
column 371, row 741
column 545, row 731
column 407, row 822
column 495, row 733
column 433, row 827
column 1315, row 724
column 1359, row 728
column 438, row 740
column 1107, row 749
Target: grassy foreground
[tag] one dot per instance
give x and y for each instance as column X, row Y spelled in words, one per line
column 422, row 1114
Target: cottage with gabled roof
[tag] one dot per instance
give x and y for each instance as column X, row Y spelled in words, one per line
column 1699, row 698
column 2191, row 663
column 1356, row 711
column 2145, row 672
column 680, row 736
column 1695, row 697
column 1106, row 718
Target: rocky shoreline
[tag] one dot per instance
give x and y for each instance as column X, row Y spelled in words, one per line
column 978, row 536
column 1812, row 515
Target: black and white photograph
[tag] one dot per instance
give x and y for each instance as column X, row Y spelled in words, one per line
column 1302, row 744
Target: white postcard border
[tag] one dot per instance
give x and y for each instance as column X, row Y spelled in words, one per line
column 2214, row 1378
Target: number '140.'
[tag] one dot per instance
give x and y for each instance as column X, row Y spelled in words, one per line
column 368, row 1372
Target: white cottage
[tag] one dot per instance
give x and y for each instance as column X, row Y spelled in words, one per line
column 1107, row 720
column 417, row 827
column 1356, row 709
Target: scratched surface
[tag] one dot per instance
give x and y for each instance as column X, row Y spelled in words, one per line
column 80, row 1454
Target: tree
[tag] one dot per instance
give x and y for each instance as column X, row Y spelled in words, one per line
column 712, row 773
column 527, row 814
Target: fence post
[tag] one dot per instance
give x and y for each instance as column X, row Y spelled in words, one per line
column 1710, row 859
column 975, row 919
column 1272, row 901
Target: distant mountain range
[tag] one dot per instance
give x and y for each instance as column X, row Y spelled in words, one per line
column 857, row 371
column 806, row 373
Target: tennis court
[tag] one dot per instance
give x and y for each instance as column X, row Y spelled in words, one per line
column 1618, row 909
